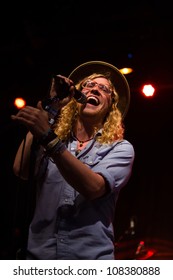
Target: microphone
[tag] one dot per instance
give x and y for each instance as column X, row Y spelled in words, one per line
column 62, row 90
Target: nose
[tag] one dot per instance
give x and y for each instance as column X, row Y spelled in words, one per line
column 95, row 91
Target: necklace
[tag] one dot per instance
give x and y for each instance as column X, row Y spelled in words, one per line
column 82, row 142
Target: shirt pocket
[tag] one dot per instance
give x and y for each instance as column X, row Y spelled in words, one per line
column 96, row 154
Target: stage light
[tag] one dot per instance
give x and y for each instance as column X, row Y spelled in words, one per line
column 126, row 70
column 19, row 102
column 148, row 90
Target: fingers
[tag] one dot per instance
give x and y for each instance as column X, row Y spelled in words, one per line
column 35, row 119
column 67, row 80
column 29, row 115
column 25, row 115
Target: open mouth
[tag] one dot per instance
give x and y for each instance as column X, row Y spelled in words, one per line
column 93, row 100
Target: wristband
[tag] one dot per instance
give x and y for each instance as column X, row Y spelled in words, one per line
column 52, row 143
column 55, row 146
column 47, row 137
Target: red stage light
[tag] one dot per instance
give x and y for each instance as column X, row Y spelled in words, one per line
column 148, row 90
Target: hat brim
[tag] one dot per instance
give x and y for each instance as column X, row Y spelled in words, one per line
column 117, row 78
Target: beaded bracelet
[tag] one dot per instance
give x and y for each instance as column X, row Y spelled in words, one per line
column 55, row 146
column 51, row 142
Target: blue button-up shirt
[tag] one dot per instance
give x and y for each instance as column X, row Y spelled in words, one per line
column 67, row 226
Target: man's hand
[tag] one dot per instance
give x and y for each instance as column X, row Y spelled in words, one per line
column 35, row 119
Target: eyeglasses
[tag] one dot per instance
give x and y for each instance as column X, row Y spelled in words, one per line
column 91, row 84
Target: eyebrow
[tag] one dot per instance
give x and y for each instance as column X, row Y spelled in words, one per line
column 99, row 83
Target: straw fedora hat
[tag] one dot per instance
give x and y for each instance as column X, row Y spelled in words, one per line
column 117, row 78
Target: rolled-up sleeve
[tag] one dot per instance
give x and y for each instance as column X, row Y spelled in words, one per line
column 114, row 162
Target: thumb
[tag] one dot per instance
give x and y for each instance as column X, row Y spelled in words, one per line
column 39, row 105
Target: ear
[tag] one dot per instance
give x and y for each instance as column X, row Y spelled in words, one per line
column 111, row 101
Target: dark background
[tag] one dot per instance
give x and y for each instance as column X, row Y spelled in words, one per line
column 39, row 40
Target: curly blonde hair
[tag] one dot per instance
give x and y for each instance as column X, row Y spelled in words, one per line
column 113, row 128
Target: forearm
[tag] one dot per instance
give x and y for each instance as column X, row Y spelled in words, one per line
column 79, row 176
column 22, row 159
